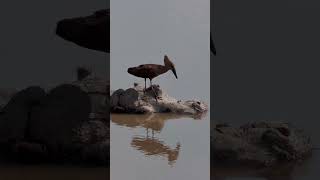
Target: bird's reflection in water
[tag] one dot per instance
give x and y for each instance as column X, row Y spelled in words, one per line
column 149, row 144
column 155, row 147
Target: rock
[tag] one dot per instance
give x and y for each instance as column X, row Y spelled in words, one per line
column 6, row 95
column 93, row 139
column 98, row 90
column 65, row 108
column 29, row 152
column 115, row 98
column 69, row 124
column 134, row 100
column 128, row 99
column 259, row 143
column 91, row 32
column 15, row 116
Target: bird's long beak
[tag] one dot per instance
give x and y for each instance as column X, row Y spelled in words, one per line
column 174, row 72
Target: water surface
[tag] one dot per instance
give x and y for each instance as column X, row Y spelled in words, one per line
column 159, row 146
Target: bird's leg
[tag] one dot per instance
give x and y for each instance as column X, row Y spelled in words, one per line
column 147, row 133
column 145, row 85
column 155, row 94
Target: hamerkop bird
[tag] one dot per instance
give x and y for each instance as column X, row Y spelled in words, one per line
column 151, row 71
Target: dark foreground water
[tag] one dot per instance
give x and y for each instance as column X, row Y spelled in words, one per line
column 307, row 170
column 47, row 172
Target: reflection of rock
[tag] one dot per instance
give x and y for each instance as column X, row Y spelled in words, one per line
column 36, row 126
column 91, row 32
column 154, row 121
column 261, row 143
column 134, row 100
column 155, row 147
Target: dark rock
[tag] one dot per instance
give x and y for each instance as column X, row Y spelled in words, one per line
column 115, row 98
column 93, row 137
column 91, row 32
column 5, row 96
column 15, row 117
column 259, row 143
column 66, row 107
column 29, row 152
column 67, row 125
column 98, row 90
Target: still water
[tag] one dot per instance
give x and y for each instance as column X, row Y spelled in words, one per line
column 159, row 146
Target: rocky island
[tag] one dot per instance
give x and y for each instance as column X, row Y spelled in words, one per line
column 137, row 100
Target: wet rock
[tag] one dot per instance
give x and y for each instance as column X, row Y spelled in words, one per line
column 135, row 100
column 259, row 143
column 91, row 31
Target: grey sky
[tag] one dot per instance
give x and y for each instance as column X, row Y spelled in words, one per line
column 31, row 53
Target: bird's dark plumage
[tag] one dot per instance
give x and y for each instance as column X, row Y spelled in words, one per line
column 151, row 71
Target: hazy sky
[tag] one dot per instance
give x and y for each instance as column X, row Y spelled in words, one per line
column 31, row 53
column 143, row 31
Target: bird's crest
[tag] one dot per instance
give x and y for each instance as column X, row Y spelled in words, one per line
column 170, row 65
column 167, row 61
